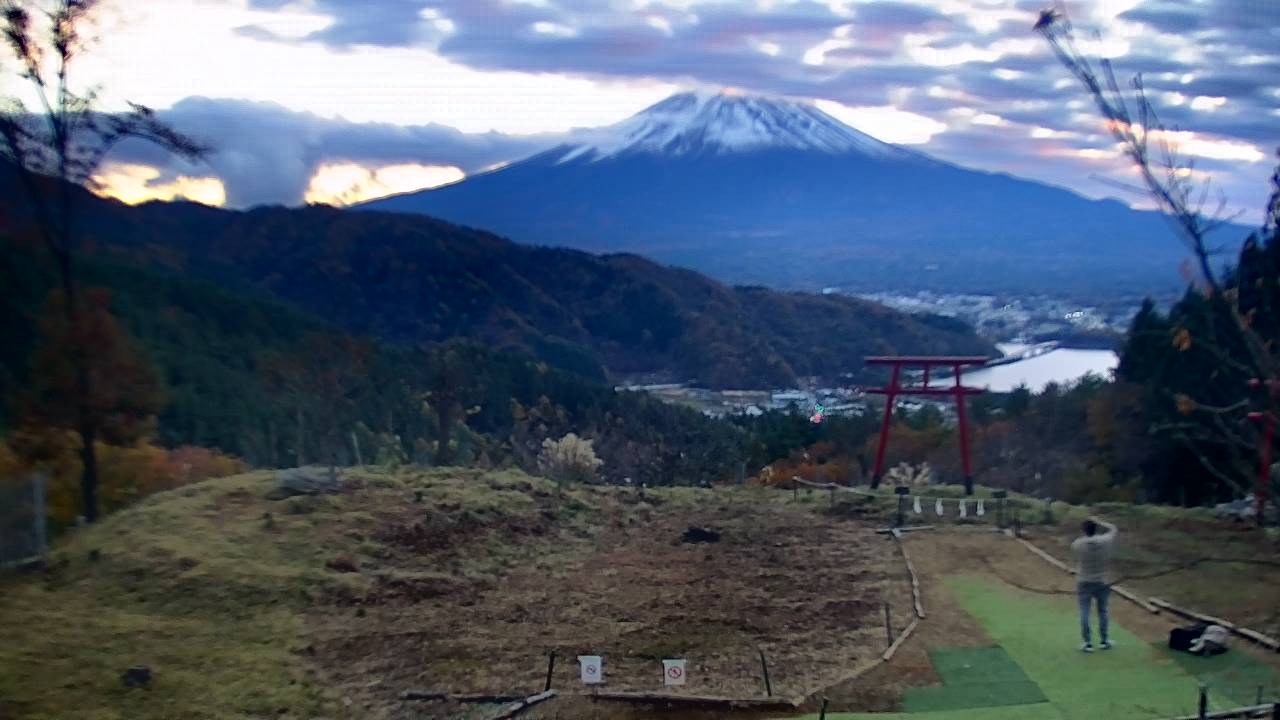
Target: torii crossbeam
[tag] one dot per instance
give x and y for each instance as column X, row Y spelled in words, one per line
column 895, row 388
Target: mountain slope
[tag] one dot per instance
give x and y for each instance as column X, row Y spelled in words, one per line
column 410, row 279
column 216, row 353
column 779, row 193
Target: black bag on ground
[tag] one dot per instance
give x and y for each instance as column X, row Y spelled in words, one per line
column 1182, row 638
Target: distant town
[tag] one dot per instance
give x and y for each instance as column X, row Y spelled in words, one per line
column 718, row 403
column 1025, row 318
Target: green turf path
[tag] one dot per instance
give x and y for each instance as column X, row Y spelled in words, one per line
column 1040, row 634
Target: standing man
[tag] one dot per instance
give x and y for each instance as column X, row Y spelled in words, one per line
column 1093, row 555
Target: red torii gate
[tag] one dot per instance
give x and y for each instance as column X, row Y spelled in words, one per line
column 894, row 389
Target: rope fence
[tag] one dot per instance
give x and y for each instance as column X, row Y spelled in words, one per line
column 999, row 509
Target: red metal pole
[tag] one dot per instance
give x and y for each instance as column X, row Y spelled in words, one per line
column 963, row 422
column 1264, row 473
column 1263, row 488
column 890, row 395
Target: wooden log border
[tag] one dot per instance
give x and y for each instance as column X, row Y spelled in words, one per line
column 904, row 529
column 429, row 695
column 695, row 700
column 911, row 571
column 522, row 705
column 888, row 654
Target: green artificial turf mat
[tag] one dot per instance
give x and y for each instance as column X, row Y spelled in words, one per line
column 976, row 665
column 973, row 678
column 971, row 695
column 1235, row 676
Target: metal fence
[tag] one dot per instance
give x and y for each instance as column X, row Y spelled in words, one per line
column 23, row 537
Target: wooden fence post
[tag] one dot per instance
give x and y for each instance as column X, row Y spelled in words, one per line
column 551, row 666
column 764, row 667
column 901, row 491
column 1000, row 496
column 355, row 444
column 41, row 532
column 888, row 626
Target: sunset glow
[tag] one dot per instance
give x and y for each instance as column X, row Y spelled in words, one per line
column 134, row 184
column 348, row 183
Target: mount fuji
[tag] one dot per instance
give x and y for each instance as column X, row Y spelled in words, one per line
column 757, row 190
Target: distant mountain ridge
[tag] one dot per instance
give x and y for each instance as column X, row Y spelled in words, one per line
column 776, row 192
column 410, row 279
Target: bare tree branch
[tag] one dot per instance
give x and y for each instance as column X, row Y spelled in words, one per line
column 58, row 147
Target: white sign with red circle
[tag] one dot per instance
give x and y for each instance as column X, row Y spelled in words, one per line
column 592, row 667
column 673, row 672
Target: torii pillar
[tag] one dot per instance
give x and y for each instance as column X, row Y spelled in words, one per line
column 895, row 388
column 1268, row 421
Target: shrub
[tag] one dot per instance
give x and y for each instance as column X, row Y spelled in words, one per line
column 910, row 475
column 125, row 474
column 570, row 458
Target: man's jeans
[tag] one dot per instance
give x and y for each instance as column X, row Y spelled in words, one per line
column 1087, row 592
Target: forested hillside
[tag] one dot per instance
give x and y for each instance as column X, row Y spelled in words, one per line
column 409, row 279
column 278, row 387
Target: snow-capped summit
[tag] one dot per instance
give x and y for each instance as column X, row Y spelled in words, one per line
column 705, row 122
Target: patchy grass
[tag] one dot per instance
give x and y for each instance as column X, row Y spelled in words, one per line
column 188, row 583
column 451, row 579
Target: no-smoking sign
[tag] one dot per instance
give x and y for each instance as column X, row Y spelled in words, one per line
column 673, row 672
column 592, row 668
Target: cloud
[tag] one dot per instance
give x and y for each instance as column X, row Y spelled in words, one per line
column 266, row 154
column 1167, row 17
column 972, row 67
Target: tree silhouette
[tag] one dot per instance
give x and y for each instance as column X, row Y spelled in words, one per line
column 448, row 388
column 323, row 379
column 1226, row 335
column 54, row 148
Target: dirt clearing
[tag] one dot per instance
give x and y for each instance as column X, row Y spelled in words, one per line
column 809, row 592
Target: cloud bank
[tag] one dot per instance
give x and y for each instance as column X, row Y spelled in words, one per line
column 979, row 86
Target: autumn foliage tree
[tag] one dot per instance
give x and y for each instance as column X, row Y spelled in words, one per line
column 53, row 148
column 120, row 399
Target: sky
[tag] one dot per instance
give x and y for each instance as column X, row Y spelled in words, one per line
column 342, row 100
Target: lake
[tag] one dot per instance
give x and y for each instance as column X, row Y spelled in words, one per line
column 1060, row 366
